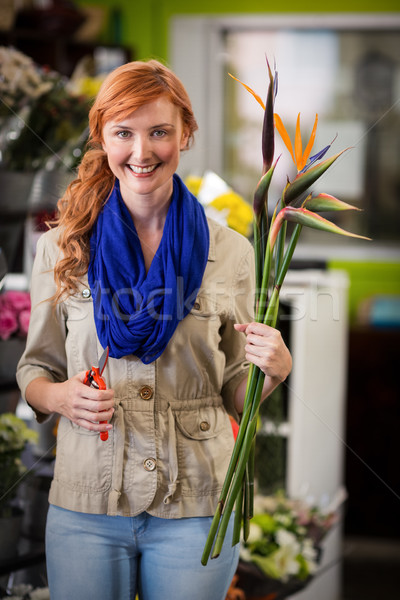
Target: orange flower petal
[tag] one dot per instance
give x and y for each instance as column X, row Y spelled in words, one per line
column 252, row 92
column 284, row 134
column 298, row 147
column 310, row 144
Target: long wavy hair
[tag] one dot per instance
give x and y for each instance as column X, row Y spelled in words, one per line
column 124, row 90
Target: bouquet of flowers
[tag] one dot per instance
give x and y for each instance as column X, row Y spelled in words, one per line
column 43, row 120
column 22, row 82
column 15, row 311
column 273, row 254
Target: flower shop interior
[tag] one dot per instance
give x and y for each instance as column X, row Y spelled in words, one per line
column 327, row 440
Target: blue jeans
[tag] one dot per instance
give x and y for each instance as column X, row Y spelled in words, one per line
column 98, row 557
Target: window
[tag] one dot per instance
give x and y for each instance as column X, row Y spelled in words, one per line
column 345, row 69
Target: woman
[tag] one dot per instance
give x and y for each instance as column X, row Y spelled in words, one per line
column 135, row 265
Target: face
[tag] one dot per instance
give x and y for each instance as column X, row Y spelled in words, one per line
column 143, row 149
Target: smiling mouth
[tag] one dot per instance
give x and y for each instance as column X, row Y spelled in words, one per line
column 142, row 170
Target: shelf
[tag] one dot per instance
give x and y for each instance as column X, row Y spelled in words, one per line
column 59, row 51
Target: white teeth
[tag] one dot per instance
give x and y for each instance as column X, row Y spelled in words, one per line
column 140, row 170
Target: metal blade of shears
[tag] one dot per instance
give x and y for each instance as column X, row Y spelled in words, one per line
column 103, row 360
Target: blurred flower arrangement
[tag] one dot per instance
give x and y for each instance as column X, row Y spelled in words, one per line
column 283, row 548
column 43, row 115
column 221, row 203
column 284, row 537
column 14, row 435
column 15, row 311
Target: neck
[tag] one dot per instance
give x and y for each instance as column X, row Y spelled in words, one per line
column 149, row 214
column 149, row 211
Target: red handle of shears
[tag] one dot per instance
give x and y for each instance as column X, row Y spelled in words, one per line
column 94, row 379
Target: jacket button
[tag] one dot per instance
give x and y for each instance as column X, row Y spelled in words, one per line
column 86, row 293
column 149, row 464
column 204, row 426
column 196, row 306
column 146, row 392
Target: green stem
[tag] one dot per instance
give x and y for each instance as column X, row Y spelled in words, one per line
column 250, row 478
column 247, row 411
column 264, row 237
column 235, row 490
column 272, row 310
column 246, row 503
column 288, row 255
column 280, row 245
column 271, row 314
column 263, row 293
column 257, row 256
column 237, row 524
column 237, row 480
column 211, row 535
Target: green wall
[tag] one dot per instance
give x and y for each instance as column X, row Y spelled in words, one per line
column 144, row 25
column 367, row 281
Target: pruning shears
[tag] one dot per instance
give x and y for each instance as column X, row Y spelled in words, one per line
column 94, row 379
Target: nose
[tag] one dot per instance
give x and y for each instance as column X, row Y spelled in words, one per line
column 141, row 149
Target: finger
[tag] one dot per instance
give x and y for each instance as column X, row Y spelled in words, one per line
column 93, row 425
column 95, row 406
column 92, row 393
column 262, row 329
column 241, row 327
column 94, row 416
column 258, row 361
column 268, row 345
column 257, row 328
column 101, row 416
column 254, row 350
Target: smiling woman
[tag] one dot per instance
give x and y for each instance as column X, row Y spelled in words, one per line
column 143, row 153
column 134, row 265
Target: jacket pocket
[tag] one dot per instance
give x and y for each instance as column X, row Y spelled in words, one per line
column 81, row 341
column 204, row 447
column 79, row 307
column 83, row 461
column 204, row 308
column 202, row 424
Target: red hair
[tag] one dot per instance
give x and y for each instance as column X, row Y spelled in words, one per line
column 124, row 90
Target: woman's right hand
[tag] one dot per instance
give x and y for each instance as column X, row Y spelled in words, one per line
column 83, row 405
column 86, row 406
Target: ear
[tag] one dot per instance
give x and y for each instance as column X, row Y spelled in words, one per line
column 184, row 139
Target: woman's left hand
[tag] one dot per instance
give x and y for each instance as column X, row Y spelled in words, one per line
column 266, row 349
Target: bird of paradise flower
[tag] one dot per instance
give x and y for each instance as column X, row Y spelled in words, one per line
column 273, row 255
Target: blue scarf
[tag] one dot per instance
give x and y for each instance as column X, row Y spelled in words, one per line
column 137, row 312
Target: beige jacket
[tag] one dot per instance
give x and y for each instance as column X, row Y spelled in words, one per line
column 170, row 446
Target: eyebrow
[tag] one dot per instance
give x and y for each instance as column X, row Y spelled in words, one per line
column 124, row 126
column 162, row 125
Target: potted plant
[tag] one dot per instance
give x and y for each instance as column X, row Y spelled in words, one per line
column 14, row 435
column 15, row 308
column 283, row 548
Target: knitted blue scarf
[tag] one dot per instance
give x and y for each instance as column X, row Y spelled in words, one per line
column 137, row 312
